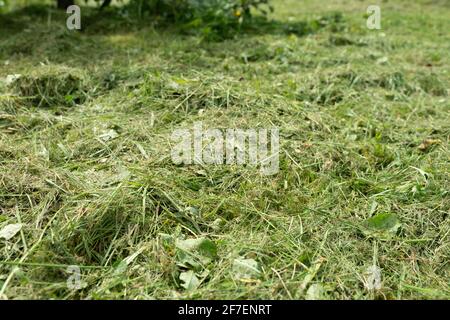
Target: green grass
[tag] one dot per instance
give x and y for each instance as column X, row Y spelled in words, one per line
column 364, row 130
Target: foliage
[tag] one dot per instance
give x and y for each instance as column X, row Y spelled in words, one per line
column 3, row 5
column 214, row 18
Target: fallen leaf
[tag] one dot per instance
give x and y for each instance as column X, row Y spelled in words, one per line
column 10, row 231
column 315, row 292
column 10, row 78
column 244, row 269
column 109, row 135
column 427, row 143
column 189, row 280
column 312, row 271
column 382, row 225
column 123, row 265
column 372, row 278
column 195, row 253
column 204, row 246
column 384, row 221
column 383, row 60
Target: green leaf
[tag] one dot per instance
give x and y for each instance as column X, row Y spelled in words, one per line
column 120, row 268
column 195, row 253
column 69, row 98
column 166, row 239
column 189, row 280
column 382, row 225
column 384, row 221
column 202, row 246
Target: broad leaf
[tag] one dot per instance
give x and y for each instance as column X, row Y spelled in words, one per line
column 189, row 280
column 10, row 231
column 195, row 253
column 382, row 225
column 245, row 269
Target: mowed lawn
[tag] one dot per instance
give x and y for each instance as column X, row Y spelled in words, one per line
column 362, row 192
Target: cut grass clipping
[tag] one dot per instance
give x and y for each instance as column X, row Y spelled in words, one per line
column 358, row 210
column 51, row 86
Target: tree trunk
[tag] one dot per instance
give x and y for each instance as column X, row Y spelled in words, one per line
column 63, row 4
